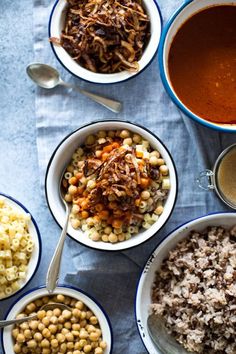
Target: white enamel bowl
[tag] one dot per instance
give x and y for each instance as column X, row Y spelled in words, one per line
column 34, row 232
column 181, row 15
column 32, row 295
column 56, row 25
column 143, row 294
column 61, row 158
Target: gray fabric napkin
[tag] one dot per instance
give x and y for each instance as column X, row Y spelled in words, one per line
column 112, row 278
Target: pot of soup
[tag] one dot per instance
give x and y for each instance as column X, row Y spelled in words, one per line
column 222, row 178
column 197, row 58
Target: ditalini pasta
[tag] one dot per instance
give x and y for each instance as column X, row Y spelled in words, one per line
column 16, row 247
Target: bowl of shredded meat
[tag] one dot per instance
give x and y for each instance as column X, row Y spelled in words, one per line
column 188, row 283
column 120, row 181
column 105, row 41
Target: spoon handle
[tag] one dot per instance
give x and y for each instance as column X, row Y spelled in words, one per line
column 6, row 323
column 54, row 267
column 112, row 105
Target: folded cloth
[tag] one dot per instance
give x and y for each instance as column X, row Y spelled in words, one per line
column 112, row 278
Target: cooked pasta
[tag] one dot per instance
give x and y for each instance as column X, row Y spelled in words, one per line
column 117, row 184
column 16, row 247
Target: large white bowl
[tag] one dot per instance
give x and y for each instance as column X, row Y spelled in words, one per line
column 61, row 158
column 36, row 254
column 19, row 305
column 143, row 294
column 56, row 25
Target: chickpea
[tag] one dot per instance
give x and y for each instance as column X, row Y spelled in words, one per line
column 27, row 333
column 38, row 336
column 46, row 351
column 87, row 348
column 93, row 320
column 24, row 325
column 137, row 138
column 66, row 314
column 98, row 350
column 38, row 302
column 54, row 319
column 61, row 319
column 64, row 331
column 46, row 333
column 63, row 347
column 57, row 313
column 45, row 299
column 52, row 328
column 95, row 236
column 69, row 337
column 70, row 345
column 45, row 343
column 68, row 198
column 72, row 190
column 83, row 334
column 68, row 325
column 15, row 332
column 41, row 327
column 159, row 210
column 83, row 323
column 94, row 336
column 60, row 298
column 33, row 324
column 164, row 170
column 105, row 238
column 124, row 134
column 112, row 238
column 60, row 337
column 17, row 348
column 20, row 338
column 83, row 315
column 46, row 321
column 54, row 343
column 107, row 230
column 145, row 195
column 76, row 352
column 128, row 141
column 30, row 307
column 76, row 312
column 32, row 343
column 41, row 314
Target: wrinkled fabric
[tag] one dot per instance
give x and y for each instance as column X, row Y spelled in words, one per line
column 112, row 278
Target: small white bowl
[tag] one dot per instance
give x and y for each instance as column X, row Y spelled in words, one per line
column 61, row 158
column 36, row 254
column 143, row 293
column 56, row 25
column 19, row 305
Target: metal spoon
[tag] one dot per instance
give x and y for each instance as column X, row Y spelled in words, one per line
column 164, row 341
column 55, row 264
column 46, row 307
column 48, row 77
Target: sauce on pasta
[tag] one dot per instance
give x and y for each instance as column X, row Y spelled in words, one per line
column 202, row 64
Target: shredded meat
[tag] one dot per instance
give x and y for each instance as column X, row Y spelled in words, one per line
column 105, row 36
column 195, row 292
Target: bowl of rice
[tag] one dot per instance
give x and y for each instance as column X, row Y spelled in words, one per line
column 188, row 284
column 20, row 246
column 121, row 182
column 105, row 41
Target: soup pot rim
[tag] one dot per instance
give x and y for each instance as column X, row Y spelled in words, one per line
column 227, row 128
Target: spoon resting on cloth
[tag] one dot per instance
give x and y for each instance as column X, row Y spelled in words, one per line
column 164, row 341
column 55, row 264
column 48, row 77
column 46, row 307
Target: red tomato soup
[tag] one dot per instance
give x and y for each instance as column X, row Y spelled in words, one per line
column 202, row 64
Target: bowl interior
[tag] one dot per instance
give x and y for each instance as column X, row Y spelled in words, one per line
column 34, row 232
column 143, row 295
column 34, row 294
column 56, row 25
column 181, row 16
column 61, row 159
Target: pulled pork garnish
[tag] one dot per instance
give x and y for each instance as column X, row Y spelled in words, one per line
column 105, row 36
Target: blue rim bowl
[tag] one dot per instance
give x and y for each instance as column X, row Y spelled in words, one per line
column 37, row 252
column 35, row 293
column 55, row 26
column 185, row 11
column 147, row 276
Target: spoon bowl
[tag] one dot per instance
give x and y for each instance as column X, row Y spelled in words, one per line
column 43, row 75
column 45, row 307
column 47, row 77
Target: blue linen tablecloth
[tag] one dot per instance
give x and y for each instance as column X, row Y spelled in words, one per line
column 110, row 278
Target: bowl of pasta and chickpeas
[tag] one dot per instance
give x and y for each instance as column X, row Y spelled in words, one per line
column 120, row 180
column 82, row 328
column 20, row 246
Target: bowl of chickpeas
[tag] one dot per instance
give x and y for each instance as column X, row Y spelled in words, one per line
column 120, row 180
column 82, row 328
column 20, row 246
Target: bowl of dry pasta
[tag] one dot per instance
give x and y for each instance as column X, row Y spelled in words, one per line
column 83, row 327
column 20, row 246
column 105, row 41
column 120, row 179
